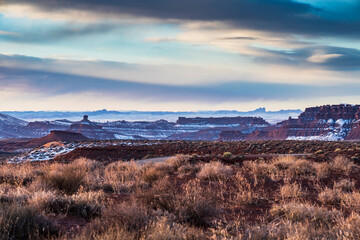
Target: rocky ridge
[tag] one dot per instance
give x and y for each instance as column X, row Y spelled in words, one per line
column 326, row 123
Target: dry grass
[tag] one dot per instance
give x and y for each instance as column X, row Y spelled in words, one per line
column 153, row 172
column 281, row 167
column 283, row 198
column 330, row 196
column 345, row 185
column 292, row 191
column 178, row 161
column 351, row 200
column 300, row 212
column 67, row 178
column 246, row 194
column 197, row 206
column 18, row 222
column 215, row 171
column 344, row 165
column 120, row 175
column 83, row 204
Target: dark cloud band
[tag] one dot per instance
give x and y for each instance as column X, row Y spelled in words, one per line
column 285, row 16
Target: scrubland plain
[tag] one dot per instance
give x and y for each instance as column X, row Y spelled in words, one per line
column 282, row 198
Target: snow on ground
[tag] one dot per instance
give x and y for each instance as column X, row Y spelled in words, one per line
column 123, row 137
column 331, row 136
column 205, row 126
column 51, row 152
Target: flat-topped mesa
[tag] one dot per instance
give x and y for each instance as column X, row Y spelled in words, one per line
column 334, row 112
column 221, row 121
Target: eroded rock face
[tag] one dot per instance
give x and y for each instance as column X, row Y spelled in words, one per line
column 334, row 112
column 328, row 123
column 221, row 128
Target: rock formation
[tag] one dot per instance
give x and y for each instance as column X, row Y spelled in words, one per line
column 57, row 136
column 90, row 129
column 221, row 121
column 328, row 122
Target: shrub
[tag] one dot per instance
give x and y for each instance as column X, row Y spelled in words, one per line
column 165, row 229
column 351, row 200
column 11, row 194
column 299, row 212
column 120, row 174
column 302, row 167
column 196, row 207
column 18, row 222
column 323, row 170
column 178, row 161
column 151, row 173
column 227, row 154
column 104, row 233
column 344, row 165
column 330, row 196
column 160, row 196
column 120, row 221
column 66, row 178
column 86, row 205
column 260, row 170
column 283, row 163
column 350, row 227
column 245, row 195
column 214, row 171
column 189, row 169
column 288, row 230
column 132, row 218
column 292, row 191
column 345, row 185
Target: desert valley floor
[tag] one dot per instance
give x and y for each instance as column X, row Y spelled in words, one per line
column 117, row 189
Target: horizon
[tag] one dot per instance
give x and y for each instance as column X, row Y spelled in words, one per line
column 164, row 111
column 162, row 55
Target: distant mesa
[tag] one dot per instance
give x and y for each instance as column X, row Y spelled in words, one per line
column 57, row 136
column 90, row 129
column 221, row 121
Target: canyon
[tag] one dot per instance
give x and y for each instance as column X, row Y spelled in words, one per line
column 325, row 123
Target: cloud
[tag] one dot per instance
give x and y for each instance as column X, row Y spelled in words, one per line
column 49, row 84
column 322, row 58
column 5, row 33
column 35, row 83
column 58, row 33
column 272, row 71
column 338, row 60
column 283, row 16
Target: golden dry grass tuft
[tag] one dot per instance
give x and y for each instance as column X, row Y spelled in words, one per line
column 215, row 171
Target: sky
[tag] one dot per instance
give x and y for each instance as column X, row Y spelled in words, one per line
column 171, row 55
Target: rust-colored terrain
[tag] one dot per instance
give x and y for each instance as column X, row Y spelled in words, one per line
column 242, row 150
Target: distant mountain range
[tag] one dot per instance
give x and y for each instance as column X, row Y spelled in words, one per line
column 105, row 115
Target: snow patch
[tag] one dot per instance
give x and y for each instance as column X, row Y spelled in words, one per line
column 123, row 137
column 331, row 136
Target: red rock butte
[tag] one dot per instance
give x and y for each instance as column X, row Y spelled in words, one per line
column 57, row 136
